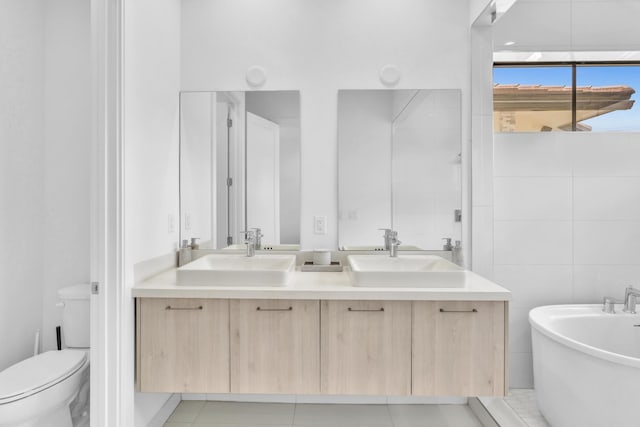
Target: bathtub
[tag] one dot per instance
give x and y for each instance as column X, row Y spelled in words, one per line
column 586, row 365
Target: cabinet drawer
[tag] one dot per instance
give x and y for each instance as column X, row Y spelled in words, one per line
column 275, row 346
column 459, row 348
column 183, row 345
column 366, row 347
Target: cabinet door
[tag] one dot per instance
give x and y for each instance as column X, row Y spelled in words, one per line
column 459, row 348
column 366, row 347
column 183, row 345
column 275, row 346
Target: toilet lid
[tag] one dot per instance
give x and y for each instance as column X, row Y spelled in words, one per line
column 38, row 372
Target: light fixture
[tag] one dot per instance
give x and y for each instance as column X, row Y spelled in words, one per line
column 256, row 76
column 509, row 43
column 390, row 75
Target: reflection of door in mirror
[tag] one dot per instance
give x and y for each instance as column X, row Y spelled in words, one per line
column 211, row 148
column 263, row 177
column 216, row 156
column 273, row 166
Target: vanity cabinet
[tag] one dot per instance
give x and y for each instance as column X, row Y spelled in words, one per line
column 275, row 346
column 459, row 348
column 366, row 347
column 363, row 347
column 183, row 345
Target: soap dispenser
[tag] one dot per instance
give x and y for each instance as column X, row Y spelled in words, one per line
column 184, row 253
column 447, row 245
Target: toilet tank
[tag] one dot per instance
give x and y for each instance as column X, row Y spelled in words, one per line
column 75, row 315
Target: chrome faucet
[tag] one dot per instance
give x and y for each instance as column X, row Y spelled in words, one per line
column 250, row 240
column 258, row 238
column 630, row 295
column 393, row 244
column 387, row 238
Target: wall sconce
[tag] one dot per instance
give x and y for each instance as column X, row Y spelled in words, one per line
column 256, row 76
column 390, row 75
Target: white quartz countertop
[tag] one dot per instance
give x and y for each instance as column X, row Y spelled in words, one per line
column 322, row 285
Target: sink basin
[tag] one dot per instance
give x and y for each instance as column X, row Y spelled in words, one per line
column 237, row 270
column 414, row 271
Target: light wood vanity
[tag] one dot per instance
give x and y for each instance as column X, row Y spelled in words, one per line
column 322, row 336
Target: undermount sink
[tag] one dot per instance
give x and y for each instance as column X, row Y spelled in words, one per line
column 237, row 270
column 414, row 271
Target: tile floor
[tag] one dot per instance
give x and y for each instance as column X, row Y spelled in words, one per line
column 524, row 403
column 198, row 413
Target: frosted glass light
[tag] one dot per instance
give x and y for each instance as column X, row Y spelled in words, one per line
column 390, row 75
column 256, row 76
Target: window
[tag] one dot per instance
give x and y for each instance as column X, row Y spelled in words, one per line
column 566, row 97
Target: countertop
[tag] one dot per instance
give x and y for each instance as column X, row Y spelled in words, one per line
column 322, row 285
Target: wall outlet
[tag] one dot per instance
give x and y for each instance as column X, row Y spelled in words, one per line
column 171, row 223
column 187, row 221
column 319, row 224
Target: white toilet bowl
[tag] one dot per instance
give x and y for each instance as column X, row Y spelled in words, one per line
column 37, row 392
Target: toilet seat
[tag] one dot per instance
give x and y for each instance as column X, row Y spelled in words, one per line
column 38, row 373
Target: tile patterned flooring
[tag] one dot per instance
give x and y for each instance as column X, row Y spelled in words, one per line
column 198, row 413
column 525, row 405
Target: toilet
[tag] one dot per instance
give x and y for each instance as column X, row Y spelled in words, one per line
column 52, row 388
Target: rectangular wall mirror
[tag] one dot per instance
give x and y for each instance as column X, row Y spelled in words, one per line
column 399, row 166
column 240, row 168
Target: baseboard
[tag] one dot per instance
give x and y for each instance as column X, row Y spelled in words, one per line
column 165, row 411
column 337, row 399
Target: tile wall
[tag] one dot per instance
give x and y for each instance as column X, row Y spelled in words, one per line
column 566, row 224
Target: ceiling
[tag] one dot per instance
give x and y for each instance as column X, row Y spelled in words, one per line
column 557, row 30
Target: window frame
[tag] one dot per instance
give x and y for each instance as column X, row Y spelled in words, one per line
column 574, row 67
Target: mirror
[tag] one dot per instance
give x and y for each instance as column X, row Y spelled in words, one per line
column 240, row 168
column 399, row 167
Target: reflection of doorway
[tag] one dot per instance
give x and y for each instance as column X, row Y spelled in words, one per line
column 263, row 177
column 228, row 168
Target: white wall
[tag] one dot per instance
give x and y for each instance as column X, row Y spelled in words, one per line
column 45, row 136
column 22, row 32
column 319, row 47
column 567, row 224
column 152, row 84
column 67, row 145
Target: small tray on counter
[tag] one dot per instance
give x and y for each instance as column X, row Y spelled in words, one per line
column 335, row 266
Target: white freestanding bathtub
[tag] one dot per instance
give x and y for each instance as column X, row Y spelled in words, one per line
column 586, row 365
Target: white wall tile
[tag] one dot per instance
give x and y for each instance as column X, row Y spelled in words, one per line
column 606, row 242
column 531, row 154
column 482, row 241
column 519, row 330
column 605, row 154
column 532, row 198
column 535, row 285
column 606, row 198
column 532, row 242
column 520, row 370
column 593, row 282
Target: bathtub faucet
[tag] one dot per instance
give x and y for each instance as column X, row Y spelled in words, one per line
column 630, row 295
